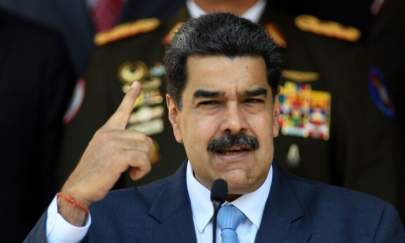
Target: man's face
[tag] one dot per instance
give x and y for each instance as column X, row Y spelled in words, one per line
column 227, row 121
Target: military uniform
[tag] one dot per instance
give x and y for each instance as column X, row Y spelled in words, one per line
column 387, row 39
column 331, row 129
column 336, row 116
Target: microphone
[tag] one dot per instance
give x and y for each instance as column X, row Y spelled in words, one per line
column 219, row 191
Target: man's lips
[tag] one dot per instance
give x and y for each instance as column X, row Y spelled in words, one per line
column 232, row 156
column 234, row 149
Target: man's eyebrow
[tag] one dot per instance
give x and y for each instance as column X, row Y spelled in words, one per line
column 256, row 92
column 207, row 94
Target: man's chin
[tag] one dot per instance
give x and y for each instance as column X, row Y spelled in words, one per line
column 238, row 182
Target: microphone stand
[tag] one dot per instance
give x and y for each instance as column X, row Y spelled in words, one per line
column 219, row 191
column 216, row 205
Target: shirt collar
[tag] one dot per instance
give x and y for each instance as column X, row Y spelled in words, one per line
column 253, row 13
column 251, row 204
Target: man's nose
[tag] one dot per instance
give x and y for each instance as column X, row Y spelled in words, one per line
column 234, row 120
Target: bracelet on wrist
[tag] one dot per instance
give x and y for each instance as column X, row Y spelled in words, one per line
column 71, row 200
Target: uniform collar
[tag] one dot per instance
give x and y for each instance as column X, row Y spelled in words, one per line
column 253, row 13
column 251, row 204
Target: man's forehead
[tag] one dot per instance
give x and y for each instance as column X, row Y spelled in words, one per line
column 223, row 70
column 219, row 57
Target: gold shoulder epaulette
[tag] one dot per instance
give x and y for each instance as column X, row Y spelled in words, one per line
column 327, row 28
column 300, row 76
column 126, row 30
column 276, row 35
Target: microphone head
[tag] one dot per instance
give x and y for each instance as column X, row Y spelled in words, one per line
column 219, row 190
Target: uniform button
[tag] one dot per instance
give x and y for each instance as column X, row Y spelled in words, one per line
column 293, row 156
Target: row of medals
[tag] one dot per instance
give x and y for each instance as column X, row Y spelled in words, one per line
column 148, row 112
column 147, row 115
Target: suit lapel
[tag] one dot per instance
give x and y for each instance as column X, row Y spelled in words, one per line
column 171, row 212
column 282, row 214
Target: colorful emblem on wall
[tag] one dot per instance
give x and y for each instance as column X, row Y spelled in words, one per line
column 378, row 92
column 304, row 112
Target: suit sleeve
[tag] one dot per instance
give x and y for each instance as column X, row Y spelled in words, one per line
column 53, row 228
column 389, row 229
column 38, row 233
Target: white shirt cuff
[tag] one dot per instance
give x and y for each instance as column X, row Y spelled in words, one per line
column 58, row 230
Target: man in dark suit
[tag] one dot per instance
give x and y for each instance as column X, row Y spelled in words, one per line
column 223, row 74
column 36, row 80
column 328, row 140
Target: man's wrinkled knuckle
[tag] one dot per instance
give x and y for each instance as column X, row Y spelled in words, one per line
column 140, row 160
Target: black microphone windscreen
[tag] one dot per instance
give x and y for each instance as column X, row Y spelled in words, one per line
column 219, row 190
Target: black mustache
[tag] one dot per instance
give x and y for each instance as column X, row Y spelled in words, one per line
column 226, row 142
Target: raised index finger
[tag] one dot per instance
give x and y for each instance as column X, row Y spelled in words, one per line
column 121, row 116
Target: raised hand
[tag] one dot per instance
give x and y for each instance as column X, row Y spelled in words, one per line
column 111, row 151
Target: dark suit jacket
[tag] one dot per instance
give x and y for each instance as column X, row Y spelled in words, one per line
column 36, row 80
column 296, row 211
column 69, row 17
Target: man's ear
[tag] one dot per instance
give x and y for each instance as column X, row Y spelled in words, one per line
column 174, row 117
column 276, row 113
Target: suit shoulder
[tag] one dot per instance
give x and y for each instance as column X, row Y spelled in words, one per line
column 340, row 204
column 343, row 209
column 126, row 30
column 313, row 190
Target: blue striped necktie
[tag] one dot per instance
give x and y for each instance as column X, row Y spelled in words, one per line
column 229, row 217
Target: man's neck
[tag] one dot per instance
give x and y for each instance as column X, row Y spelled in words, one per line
column 237, row 7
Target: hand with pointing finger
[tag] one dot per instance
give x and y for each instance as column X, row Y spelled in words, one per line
column 112, row 151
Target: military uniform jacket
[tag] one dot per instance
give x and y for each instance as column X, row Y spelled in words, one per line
column 336, row 117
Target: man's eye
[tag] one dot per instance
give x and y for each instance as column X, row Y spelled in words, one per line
column 208, row 103
column 252, row 101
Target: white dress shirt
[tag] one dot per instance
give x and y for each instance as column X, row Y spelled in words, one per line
column 58, row 230
column 250, row 204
